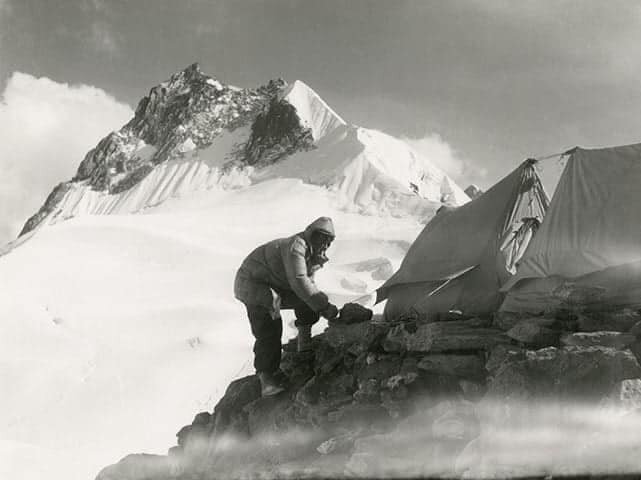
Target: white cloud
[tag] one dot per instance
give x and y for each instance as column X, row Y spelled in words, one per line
column 441, row 153
column 46, row 128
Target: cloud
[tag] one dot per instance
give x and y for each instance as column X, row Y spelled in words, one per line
column 46, row 128
column 441, row 153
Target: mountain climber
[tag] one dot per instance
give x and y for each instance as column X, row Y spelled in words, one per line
column 280, row 275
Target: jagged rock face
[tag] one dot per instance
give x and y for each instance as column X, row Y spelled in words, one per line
column 277, row 132
column 185, row 113
column 50, row 203
column 191, row 109
column 233, row 137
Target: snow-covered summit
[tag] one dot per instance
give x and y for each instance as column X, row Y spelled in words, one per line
column 312, row 110
column 193, row 132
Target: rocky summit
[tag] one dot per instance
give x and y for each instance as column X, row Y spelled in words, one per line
column 193, row 133
column 495, row 397
column 188, row 111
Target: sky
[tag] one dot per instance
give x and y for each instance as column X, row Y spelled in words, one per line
column 485, row 83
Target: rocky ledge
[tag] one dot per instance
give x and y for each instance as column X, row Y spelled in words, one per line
column 506, row 396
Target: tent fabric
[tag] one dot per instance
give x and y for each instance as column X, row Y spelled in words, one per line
column 456, row 262
column 615, row 287
column 593, row 224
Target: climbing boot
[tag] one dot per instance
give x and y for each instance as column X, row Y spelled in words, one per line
column 269, row 385
column 304, row 340
column 282, row 378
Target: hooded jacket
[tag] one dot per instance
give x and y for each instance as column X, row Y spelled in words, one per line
column 285, row 266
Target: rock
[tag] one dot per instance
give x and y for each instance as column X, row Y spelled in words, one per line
column 193, row 439
column 358, row 415
column 276, row 133
column 339, row 444
column 298, row 367
column 472, row 391
column 455, row 420
column 362, row 336
column 636, row 330
column 353, row 313
column 626, row 395
column 587, row 373
column 326, row 357
column 368, row 391
column 359, row 465
column 449, row 427
column 503, row 353
column 577, row 298
column 228, row 414
column 535, row 332
column 473, row 191
column 452, row 316
column 379, row 367
column 331, row 465
column 400, row 380
column 327, row 389
column 269, row 414
column 617, row 321
column 616, row 340
column 635, row 348
column 466, row 366
column 338, row 386
column 424, row 444
column 443, row 336
column 141, row 467
column 506, row 320
column 395, row 401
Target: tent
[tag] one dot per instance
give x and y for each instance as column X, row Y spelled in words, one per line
column 463, row 255
column 591, row 236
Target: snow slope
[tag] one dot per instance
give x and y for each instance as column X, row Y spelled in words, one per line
column 312, row 110
column 111, row 323
column 368, row 171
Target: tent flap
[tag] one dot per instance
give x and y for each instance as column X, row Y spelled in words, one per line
column 459, row 251
column 593, row 224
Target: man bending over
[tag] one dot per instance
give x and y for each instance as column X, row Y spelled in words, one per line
column 280, row 275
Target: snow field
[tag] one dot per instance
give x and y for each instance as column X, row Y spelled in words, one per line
column 117, row 329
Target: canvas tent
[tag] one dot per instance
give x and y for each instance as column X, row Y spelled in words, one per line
column 591, row 236
column 463, row 255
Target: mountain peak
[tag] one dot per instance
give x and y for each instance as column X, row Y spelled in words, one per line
column 313, row 112
column 220, row 134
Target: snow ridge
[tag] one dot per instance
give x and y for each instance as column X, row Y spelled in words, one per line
column 312, row 110
column 193, row 133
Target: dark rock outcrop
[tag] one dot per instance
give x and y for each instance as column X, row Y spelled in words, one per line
column 276, row 133
column 188, row 111
column 404, row 399
column 50, row 203
column 473, row 191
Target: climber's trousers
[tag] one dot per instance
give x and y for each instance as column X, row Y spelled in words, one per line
column 268, row 331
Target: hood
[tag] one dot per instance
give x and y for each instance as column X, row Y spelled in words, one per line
column 321, row 224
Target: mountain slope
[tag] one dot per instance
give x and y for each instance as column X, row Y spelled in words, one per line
column 192, row 133
column 110, row 319
column 114, row 320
